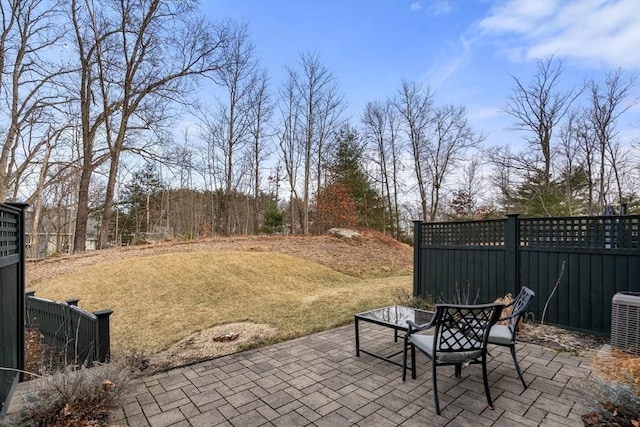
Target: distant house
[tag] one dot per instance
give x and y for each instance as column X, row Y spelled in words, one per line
column 55, row 233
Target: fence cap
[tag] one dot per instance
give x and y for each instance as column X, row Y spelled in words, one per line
column 103, row 313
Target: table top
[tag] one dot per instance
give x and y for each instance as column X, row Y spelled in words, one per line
column 396, row 316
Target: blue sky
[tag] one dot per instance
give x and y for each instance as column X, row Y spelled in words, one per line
column 465, row 50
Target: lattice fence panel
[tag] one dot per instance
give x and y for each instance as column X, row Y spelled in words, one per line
column 468, row 233
column 612, row 232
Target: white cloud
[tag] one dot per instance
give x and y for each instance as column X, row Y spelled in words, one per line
column 416, row 5
column 518, row 16
column 434, row 7
column 447, row 64
column 596, row 32
column 439, row 7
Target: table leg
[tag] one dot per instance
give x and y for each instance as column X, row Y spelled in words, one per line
column 357, row 339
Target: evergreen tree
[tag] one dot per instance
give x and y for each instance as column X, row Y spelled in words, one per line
column 347, row 175
column 565, row 196
column 141, row 199
column 273, row 219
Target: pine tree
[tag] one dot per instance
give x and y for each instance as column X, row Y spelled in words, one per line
column 350, row 185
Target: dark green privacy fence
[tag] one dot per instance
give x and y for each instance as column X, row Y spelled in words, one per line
column 590, row 259
column 85, row 336
column 82, row 337
column 11, row 299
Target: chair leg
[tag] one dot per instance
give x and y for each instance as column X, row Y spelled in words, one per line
column 486, row 382
column 515, row 362
column 458, row 370
column 435, row 386
column 404, row 361
column 413, row 361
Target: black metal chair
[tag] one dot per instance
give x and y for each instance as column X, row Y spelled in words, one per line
column 505, row 335
column 460, row 334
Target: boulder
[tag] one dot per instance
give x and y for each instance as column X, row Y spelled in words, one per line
column 344, row 233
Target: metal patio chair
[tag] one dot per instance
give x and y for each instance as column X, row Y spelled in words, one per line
column 505, row 334
column 460, row 334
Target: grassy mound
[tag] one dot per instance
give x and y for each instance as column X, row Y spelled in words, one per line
column 160, row 299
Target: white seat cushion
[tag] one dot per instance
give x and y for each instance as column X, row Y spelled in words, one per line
column 501, row 335
column 425, row 343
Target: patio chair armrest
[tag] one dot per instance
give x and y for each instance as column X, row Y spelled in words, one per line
column 414, row 327
column 511, row 315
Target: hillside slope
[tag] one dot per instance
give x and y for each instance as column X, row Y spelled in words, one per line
column 371, row 256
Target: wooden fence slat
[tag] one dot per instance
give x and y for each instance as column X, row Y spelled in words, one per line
column 67, row 328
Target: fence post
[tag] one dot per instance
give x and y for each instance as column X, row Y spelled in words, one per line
column 21, row 245
column 417, row 268
column 512, row 257
column 27, row 317
column 103, row 344
column 74, row 324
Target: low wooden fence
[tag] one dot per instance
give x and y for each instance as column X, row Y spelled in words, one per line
column 577, row 264
column 81, row 336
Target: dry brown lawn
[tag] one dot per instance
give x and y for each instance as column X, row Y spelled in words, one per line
column 269, row 289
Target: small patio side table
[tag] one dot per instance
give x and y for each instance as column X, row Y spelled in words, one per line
column 395, row 317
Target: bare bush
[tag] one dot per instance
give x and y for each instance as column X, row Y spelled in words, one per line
column 614, row 390
column 403, row 297
column 85, row 396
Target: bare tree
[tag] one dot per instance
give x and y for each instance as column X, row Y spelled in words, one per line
column 415, row 106
column 380, row 122
column 374, row 119
column 452, row 138
column 465, row 200
column 395, row 149
column 539, row 107
column 321, row 106
column 212, row 169
column 289, row 146
column 503, row 179
column 260, row 111
column 608, row 102
column 582, row 131
column 573, row 165
column 237, row 78
column 28, row 87
column 133, row 62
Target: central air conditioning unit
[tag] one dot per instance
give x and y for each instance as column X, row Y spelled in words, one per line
column 625, row 322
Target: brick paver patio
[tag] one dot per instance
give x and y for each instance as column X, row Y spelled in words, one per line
column 318, row 381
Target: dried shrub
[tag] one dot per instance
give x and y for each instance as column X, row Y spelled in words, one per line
column 34, row 348
column 506, row 300
column 403, row 297
column 371, row 233
column 41, row 358
column 618, row 366
column 82, row 397
column 614, row 390
column 461, row 296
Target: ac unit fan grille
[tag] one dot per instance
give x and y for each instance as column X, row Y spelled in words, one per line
column 625, row 322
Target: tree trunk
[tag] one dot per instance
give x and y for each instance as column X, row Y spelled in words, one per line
column 82, row 214
column 37, row 197
column 108, row 200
